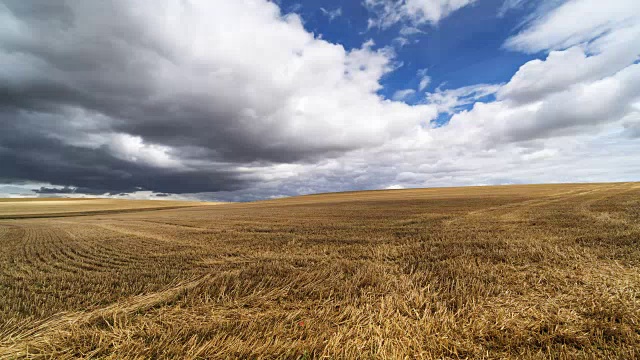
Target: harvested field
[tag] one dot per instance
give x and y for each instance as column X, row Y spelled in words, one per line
column 58, row 207
column 535, row 271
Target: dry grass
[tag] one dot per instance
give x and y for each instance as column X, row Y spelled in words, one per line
column 546, row 271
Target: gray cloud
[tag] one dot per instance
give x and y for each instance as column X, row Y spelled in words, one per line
column 114, row 97
column 632, row 129
column 27, row 153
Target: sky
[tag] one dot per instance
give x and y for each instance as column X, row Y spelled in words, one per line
column 251, row 99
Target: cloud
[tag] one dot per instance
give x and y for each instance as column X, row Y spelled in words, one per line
column 48, row 190
column 410, row 30
column 401, row 95
column 509, row 5
column 604, row 41
column 148, row 102
column 254, row 110
column 584, row 89
column 332, row 14
column 580, row 108
column 394, row 187
column 27, row 154
column 563, row 69
column 632, row 126
column 587, row 88
column 413, row 12
column 539, row 154
column 571, row 116
column 451, row 100
column 425, row 79
column 578, row 21
column 400, row 41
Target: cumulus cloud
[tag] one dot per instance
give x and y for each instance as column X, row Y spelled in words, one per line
column 167, row 99
column 598, row 46
column 579, row 107
column 141, row 75
column 590, row 88
column 591, row 82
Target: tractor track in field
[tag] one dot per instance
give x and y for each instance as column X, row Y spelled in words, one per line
column 90, row 212
column 21, row 340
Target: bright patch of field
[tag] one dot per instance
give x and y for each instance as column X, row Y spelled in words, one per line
column 50, row 207
column 540, row 271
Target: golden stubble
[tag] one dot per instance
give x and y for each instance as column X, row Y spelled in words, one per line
column 536, row 271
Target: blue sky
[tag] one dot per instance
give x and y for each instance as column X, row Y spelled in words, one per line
column 253, row 99
column 463, row 49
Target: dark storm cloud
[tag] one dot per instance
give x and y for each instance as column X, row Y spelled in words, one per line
column 96, row 59
column 115, row 72
column 26, row 153
column 50, row 190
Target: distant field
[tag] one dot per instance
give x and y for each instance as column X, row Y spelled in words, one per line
column 538, row 271
column 38, row 207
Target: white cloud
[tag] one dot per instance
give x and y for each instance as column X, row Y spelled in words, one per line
column 332, row 14
column 451, row 100
column 539, row 155
column 591, row 83
column 570, row 117
column 425, row 79
column 394, row 187
column 134, row 149
column 410, row 30
column 401, row 95
column 414, row 12
column 509, row 5
column 576, row 22
column 582, row 107
column 562, row 69
column 400, row 41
